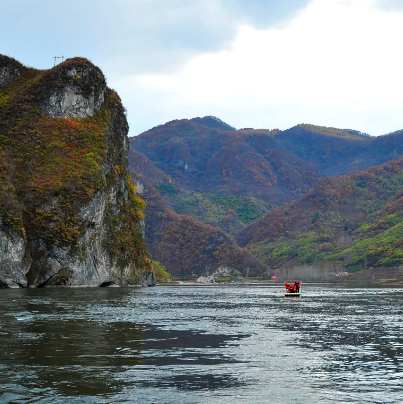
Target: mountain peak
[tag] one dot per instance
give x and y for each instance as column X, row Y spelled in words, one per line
column 212, row 122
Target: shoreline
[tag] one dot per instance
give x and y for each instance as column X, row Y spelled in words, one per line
column 345, row 283
column 281, row 284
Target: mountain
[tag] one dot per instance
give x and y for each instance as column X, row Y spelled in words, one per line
column 237, row 180
column 186, row 247
column 349, row 222
column 215, row 171
column 339, row 152
column 68, row 210
column 333, row 151
column 212, row 122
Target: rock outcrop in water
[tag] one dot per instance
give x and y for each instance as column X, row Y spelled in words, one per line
column 69, row 214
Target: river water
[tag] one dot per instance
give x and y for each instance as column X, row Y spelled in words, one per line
column 219, row 344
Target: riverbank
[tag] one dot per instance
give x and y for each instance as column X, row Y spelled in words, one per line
column 386, row 284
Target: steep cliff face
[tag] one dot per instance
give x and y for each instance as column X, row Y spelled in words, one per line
column 75, row 91
column 68, row 210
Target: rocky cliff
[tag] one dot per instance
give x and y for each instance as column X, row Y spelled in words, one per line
column 69, row 213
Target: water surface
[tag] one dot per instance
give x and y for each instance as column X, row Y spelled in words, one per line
column 241, row 344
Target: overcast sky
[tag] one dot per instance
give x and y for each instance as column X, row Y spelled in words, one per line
column 252, row 63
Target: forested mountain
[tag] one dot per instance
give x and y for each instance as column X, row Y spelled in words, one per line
column 184, row 245
column 352, row 221
column 230, row 178
column 339, row 152
column 214, row 172
column 214, row 175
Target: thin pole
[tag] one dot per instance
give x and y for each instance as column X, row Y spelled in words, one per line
column 57, row 57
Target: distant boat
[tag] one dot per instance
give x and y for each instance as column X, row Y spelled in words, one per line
column 293, row 288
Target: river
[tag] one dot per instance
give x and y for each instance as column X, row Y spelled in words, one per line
column 218, row 344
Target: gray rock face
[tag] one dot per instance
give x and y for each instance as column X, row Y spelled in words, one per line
column 12, row 253
column 70, row 103
column 9, row 70
column 82, row 95
column 87, row 263
column 149, row 279
column 140, row 188
column 222, row 271
column 7, row 74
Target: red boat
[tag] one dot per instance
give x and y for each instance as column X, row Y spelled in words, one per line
column 293, row 288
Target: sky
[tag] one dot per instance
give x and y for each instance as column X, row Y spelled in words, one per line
column 252, row 63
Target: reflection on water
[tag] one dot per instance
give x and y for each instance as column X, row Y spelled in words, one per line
column 201, row 344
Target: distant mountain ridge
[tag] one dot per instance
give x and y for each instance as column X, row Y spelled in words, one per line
column 230, row 178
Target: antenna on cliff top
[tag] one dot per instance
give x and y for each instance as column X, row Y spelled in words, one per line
column 57, row 57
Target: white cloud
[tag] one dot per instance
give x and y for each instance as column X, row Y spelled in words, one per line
column 338, row 63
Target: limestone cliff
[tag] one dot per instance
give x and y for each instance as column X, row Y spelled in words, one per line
column 68, row 210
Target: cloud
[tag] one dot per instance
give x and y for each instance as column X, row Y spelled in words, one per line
column 264, row 63
column 129, row 38
column 336, row 64
column 130, row 35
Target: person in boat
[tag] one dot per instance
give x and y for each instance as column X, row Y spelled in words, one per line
column 296, row 287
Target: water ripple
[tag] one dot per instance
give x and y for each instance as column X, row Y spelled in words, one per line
column 190, row 345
